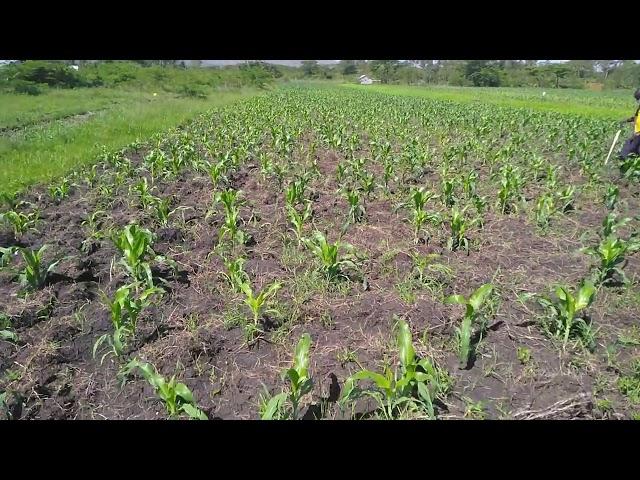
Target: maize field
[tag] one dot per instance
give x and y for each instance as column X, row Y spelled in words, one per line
column 327, row 253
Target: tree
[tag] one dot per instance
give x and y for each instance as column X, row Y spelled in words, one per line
column 385, row 69
column 484, row 73
column 559, row 71
column 607, row 66
column 626, row 75
column 536, row 73
column 348, row 67
column 582, row 68
column 309, row 67
column 486, row 77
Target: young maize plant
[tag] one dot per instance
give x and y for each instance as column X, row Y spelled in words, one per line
column 34, row 275
column 134, row 244
column 388, row 175
column 257, row 304
column 61, row 191
column 155, row 163
column 367, row 183
column 427, row 271
column 448, row 193
column 341, row 173
column 235, row 275
column 124, row 167
column 230, row 201
column 294, row 193
column 11, row 201
column 538, row 167
column 93, row 230
column 217, row 172
column 162, row 210
column 480, row 205
column 611, row 196
column 176, row 396
column 610, row 224
column 176, row 161
column 279, row 172
column 565, row 198
column 411, row 387
column 91, row 176
column 357, row 212
column 630, row 168
column 124, row 309
column 419, row 198
column 6, row 254
column 510, row 188
column 544, row 209
column 459, row 227
column 332, row 266
column 300, row 384
column 20, row 222
column 143, row 190
column 610, row 254
column 266, row 164
column 469, row 184
column 564, row 307
column 299, row 219
column 472, row 315
column 6, row 330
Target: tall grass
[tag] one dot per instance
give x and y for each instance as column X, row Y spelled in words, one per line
column 41, row 153
column 616, row 104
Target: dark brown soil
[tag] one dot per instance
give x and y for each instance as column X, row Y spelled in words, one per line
column 50, row 373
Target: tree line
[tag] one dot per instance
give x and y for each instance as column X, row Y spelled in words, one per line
column 492, row 73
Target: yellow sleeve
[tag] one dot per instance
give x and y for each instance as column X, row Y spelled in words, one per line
column 637, row 127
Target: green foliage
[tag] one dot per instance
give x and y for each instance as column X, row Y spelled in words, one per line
column 611, row 196
column 472, row 315
column 299, row 219
column 60, row 191
column 6, row 329
column 300, row 384
column 235, row 274
column 357, row 211
column 418, row 199
column 53, row 74
column 20, row 222
column 124, row 309
column 413, row 386
column 35, row 273
column 611, row 253
column 459, row 226
column 135, row 245
column 564, row 322
column 230, row 200
column 176, row 396
column 333, row 265
column 629, row 384
column 257, row 302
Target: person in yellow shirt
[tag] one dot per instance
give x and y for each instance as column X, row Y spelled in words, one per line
column 632, row 146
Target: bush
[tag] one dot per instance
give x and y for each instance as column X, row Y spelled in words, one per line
column 191, row 90
column 51, row 73
column 23, row 86
column 486, row 77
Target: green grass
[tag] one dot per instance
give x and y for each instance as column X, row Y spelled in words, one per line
column 24, row 110
column 613, row 105
column 40, row 153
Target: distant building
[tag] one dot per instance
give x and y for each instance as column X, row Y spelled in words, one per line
column 75, row 67
column 364, row 80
